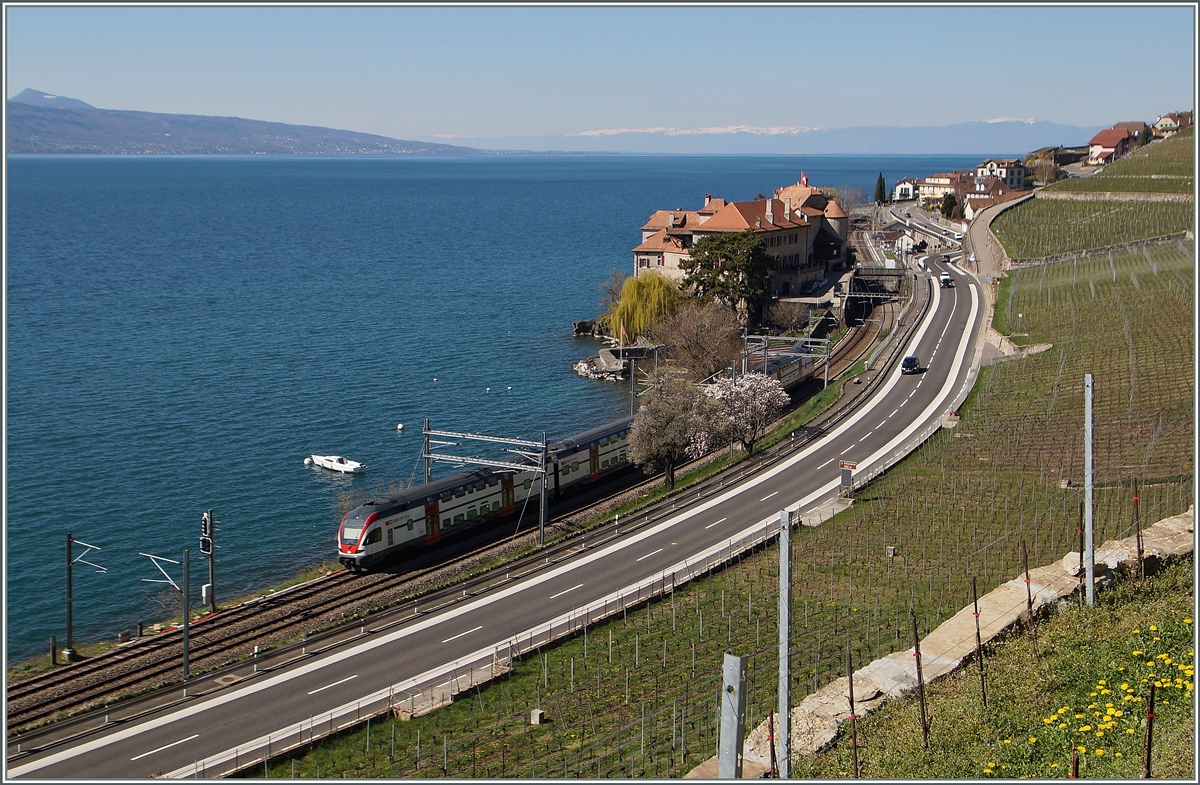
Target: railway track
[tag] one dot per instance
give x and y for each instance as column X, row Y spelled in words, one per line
column 231, row 635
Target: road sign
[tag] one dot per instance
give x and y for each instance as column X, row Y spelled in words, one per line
column 847, row 465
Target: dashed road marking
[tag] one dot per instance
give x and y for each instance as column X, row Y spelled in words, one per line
column 468, row 632
column 648, row 555
column 169, row 746
column 709, row 526
column 565, row 591
column 336, row 683
column 768, row 496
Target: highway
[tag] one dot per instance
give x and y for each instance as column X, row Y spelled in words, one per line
column 197, row 734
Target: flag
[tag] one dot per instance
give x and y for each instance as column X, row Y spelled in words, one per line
column 803, row 179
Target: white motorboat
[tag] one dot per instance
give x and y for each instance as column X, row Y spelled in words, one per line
column 336, row 463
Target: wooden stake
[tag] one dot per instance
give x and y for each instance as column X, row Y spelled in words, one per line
column 979, row 643
column 920, row 681
column 1149, row 735
column 853, row 718
column 1029, row 601
column 1137, row 523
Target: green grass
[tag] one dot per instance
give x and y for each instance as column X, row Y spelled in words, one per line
column 1039, row 228
column 1039, row 710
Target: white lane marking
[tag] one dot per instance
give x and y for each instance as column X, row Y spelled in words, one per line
column 848, row 449
column 709, row 526
column 502, row 595
column 166, row 746
column 564, row 591
column 822, row 466
column 768, row 496
column 336, row 683
column 648, row 555
column 468, row 632
column 893, row 412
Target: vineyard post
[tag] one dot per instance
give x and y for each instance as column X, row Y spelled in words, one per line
column 1137, row 523
column 853, row 723
column 1029, row 601
column 785, row 623
column 979, row 643
column 1149, row 734
column 920, row 681
column 1088, row 490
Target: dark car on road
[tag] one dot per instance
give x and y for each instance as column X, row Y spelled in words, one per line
column 910, row 364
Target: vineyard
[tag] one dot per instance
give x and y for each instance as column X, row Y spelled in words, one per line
column 637, row 697
column 1039, row 228
column 1159, row 184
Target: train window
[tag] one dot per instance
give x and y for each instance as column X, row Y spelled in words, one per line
column 375, row 536
column 409, row 524
column 472, row 514
column 622, row 457
column 460, row 494
column 604, row 464
column 575, row 466
column 528, row 484
column 458, row 518
column 390, row 540
column 445, row 522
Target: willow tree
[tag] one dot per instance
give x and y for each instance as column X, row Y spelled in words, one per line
column 645, row 300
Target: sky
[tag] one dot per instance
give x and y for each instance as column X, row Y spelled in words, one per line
column 454, row 73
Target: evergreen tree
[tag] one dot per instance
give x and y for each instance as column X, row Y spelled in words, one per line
column 880, row 190
column 731, row 268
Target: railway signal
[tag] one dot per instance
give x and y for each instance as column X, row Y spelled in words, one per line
column 208, row 532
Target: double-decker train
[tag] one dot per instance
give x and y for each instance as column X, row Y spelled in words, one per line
column 425, row 514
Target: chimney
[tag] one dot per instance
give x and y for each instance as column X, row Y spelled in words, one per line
column 787, row 208
column 671, row 221
column 757, row 223
column 707, row 199
column 770, row 217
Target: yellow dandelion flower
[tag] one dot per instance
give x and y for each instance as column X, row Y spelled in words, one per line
column 987, row 771
column 1135, row 632
column 1125, row 686
column 1188, row 620
column 1102, row 682
column 1082, row 750
column 1054, row 765
column 1153, row 627
column 1078, row 716
column 1033, row 740
column 1048, row 720
column 1008, row 741
column 1099, row 733
column 1085, row 728
column 1099, row 752
column 1157, row 638
column 1092, row 695
column 1062, row 725
column 1129, row 730
column 1116, row 754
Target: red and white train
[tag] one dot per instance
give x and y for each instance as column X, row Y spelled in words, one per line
column 425, row 514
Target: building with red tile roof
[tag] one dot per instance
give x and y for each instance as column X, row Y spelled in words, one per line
column 1108, row 145
column 804, row 230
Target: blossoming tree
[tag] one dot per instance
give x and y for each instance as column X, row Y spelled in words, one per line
column 750, row 404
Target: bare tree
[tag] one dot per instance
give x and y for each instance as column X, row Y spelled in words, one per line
column 789, row 316
column 848, row 196
column 670, row 425
column 610, row 290
column 701, row 338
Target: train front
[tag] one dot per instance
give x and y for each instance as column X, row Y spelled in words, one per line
column 355, row 536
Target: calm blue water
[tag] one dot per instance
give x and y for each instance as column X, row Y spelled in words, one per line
column 182, row 332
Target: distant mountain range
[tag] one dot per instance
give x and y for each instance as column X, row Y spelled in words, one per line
column 43, row 123
column 40, row 123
